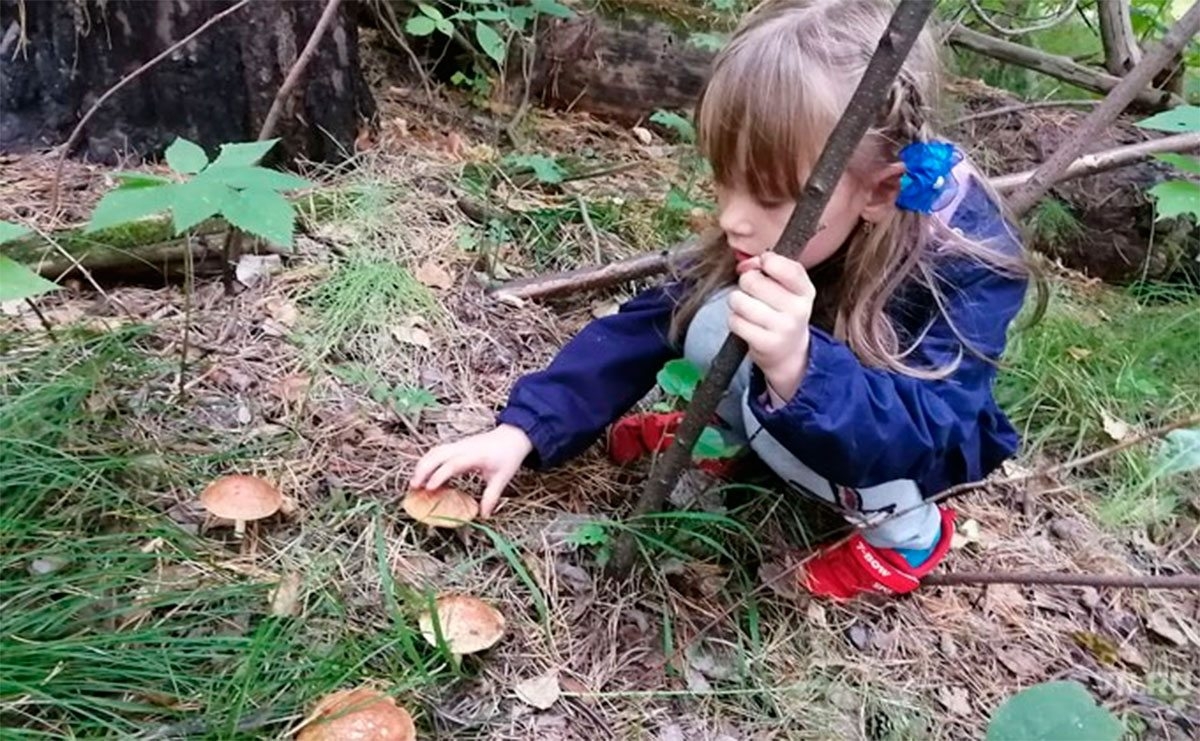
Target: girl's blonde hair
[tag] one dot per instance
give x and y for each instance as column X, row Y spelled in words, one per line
column 775, row 94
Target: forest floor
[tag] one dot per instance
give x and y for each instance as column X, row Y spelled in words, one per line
column 123, row 613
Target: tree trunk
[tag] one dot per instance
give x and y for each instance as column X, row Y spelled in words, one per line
column 59, row 57
column 1121, row 51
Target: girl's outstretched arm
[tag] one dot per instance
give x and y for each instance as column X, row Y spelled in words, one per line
column 863, row 426
column 594, row 379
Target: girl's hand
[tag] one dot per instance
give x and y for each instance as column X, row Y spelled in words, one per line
column 495, row 455
column 770, row 310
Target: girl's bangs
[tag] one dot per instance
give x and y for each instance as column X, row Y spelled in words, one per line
column 761, row 125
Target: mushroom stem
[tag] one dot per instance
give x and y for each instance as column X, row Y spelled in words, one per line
column 239, row 528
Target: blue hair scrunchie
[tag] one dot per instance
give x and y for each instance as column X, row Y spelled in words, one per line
column 927, row 184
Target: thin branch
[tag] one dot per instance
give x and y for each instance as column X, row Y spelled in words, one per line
column 1101, row 118
column 1109, row 159
column 1088, row 103
column 902, row 32
column 1048, row 23
column 1111, row 581
column 298, row 67
column 75, row 133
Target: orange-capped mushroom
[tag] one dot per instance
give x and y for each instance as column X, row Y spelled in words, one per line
column 445, row 507
column 241, row 499
column 360, row 714
column 467, row 624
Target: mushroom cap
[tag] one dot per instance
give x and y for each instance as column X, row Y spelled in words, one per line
column 362, row 715
column 445, row 507
column 241, row 498
column 468, row 624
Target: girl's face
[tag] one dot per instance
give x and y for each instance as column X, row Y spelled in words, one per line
column 753, row 227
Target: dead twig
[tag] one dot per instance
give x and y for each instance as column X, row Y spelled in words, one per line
column 1042, row 24
column 78, row 130
column 1112, row 581
column 297, row 71
column 1088, row 103
column 1109, row 159
column 902, row 32
column 1114, row 103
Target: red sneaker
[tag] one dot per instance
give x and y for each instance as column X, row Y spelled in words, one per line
column 637, row 435
column 856, row 566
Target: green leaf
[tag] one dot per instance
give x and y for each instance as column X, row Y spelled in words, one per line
column 243, row 154
column 550, row 7
column 545, row 169
column 707, row 41
column 419, row 25
column 1185, row 163
column 680, row 378
column 677, row 123
column 462, row 15
column 490, row 15
column 445, row 27
column 254, row 177
column 263, row 213
column 431, row 11
column 125, row 205
column 491, row 42
column 1053, row 711
column 18, row 282
column 134, row 180
column 589, row 534
column 1177, row 197
column 192, row 203
column 712, row 445
column 1177, row 120
column 186, row 157
column 10, row 231
column 1181, row 454
column 520, row 16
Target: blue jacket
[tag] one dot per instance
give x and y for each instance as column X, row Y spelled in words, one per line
column 855, row 425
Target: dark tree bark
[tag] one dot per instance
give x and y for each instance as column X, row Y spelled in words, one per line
column 1121, row 50
column 56, row 58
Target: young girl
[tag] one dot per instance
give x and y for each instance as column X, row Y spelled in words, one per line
column 871, row 360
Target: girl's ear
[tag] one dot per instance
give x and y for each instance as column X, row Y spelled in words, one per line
column 882, row 191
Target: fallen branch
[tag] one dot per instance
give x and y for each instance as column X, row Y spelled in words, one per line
column 1061, row 68
column 1130, row 87
column 1019, row 107
column 902, row 32
column 1041, row 24
column 75, row 133
column 298, row 67
column 1111, row 581
column 643, row 266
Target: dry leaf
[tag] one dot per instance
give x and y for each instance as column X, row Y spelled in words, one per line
column 1005, row 597
column 1130, row 656
column 695, row 680
column 540, row 692
column 714, row 663
column 282, row 311
column 291, row 388
column 1161, row 625
column 1079, row 353
column 965, row 534
column 1115, row 428
column 1019, row 662
column 243, row 414
column 860, row 636
column 455, row 145
column 410, row 335
column 642, row 134
column 433, row 275
column 956, row 699
column 285, row 597
column 254, row 269
column 815, row 612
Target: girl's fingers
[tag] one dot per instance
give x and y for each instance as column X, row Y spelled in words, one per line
column 754, row 335
column 788, row 273
column 495, row 488
column 768, row 290
column 429, row 463
column 450, row 469
column 753, row 310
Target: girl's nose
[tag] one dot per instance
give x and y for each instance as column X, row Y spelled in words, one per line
column 734, row 220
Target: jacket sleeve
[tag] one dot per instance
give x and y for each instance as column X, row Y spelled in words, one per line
column 596, row 377
column 860, row 426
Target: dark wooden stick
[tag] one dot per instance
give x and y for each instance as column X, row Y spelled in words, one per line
column 297, row 71
column 1115, row 581
column 70, row 142
column 1114, row 103
column 869, row 97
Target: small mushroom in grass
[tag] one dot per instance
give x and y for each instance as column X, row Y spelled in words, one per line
column 241, row 499
column 467, row 624
column 445, row 507
column 360, row 714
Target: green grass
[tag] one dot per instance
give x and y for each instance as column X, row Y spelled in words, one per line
column 1129, row 354
column 132, row 622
